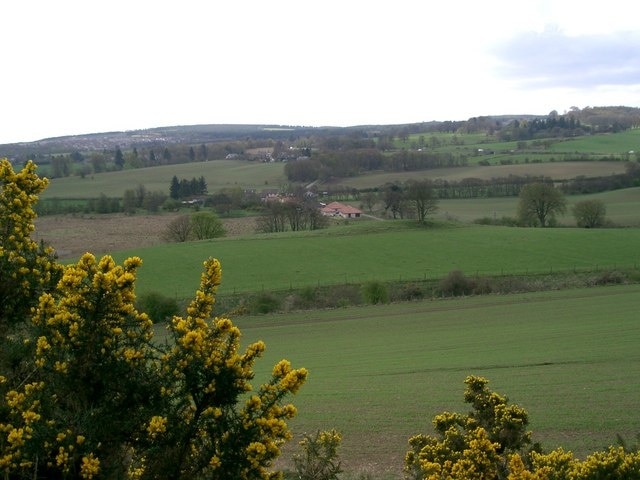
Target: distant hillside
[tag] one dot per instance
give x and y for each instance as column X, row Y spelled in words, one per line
column 187, row 134
column 599, row 119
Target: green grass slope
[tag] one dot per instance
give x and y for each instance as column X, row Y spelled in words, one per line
column 381, row 251
column 218, row 174
column 379, row 374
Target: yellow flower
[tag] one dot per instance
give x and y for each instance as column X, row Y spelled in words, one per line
column 157, row 425
column 42, row 345
column 15, row 437
column 90, row 467
column 60, row 367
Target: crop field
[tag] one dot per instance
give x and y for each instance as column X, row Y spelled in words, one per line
column 554, row 170
column 383, row 251
column 219, row 174
column 379, row 374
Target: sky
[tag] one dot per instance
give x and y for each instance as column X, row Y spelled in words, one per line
column 86, row 66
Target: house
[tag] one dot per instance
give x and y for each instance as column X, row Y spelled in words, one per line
column 337, row 209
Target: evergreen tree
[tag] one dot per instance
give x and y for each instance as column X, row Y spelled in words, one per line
column 174, row 188
column 119, row 159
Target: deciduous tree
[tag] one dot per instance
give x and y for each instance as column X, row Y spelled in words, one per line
column 422, row 197
column 539, row 204
column 590, row 213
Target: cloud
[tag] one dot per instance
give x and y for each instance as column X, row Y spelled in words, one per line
column 553, row 59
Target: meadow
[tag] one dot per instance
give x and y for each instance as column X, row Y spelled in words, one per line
column 379, row 374
column 554, row 170
column 219, row 174
column 619, row 143
column 384, row 251
column 621, row 205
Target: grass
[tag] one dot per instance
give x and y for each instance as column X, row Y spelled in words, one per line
column 379, row 374
column 383, row 251
column 621, row 207
column 608, row 144
column 555, row 170
column 219, row 174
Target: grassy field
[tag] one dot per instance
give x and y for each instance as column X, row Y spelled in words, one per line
column 554, row 170
column 621, row 205
column 365, row 251
column 611, row 144
column 379, row 374
column 219, row 174
column 604, row 144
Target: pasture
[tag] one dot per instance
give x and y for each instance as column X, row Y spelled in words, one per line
column 554, row 170
column 383, row 251
column 608, row 144
column 621, row 205
column 218, row 174
column 379, row 374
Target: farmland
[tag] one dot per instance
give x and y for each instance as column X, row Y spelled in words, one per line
column 219, row 174
column 379, row 374
column 381, row 251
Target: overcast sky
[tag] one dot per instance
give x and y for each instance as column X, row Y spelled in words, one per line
column 72, row 67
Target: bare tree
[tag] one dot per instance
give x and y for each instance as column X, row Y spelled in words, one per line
column 179, row 229
column 422, row 197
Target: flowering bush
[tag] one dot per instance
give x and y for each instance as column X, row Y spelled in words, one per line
column 319, row 459
column 492, row 442
column 91, row 395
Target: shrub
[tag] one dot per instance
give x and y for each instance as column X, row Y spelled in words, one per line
column 159, row 307
column 609, row 277
column 411, row 291
column 483, row 286
column 319, row 459
column 504, row 221
column 455, row 284
column 97, row 397
column 266, row 303
column 206, row 225
column 178, row 229
column 375, row 292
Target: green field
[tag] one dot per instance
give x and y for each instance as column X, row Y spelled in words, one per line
column 604, row 144
column 379, row 374
column 219, row 174
column 607, row 144
column 554, row 170
column 383, row 251
column 622, row 207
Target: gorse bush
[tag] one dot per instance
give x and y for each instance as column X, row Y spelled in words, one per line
column 266, row 303
column 492, row 442
column 85, row 390
column 319, row 459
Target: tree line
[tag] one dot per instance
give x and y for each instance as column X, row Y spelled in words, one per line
column 350, row 163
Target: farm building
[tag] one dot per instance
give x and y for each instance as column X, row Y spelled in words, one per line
column 337, row 209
